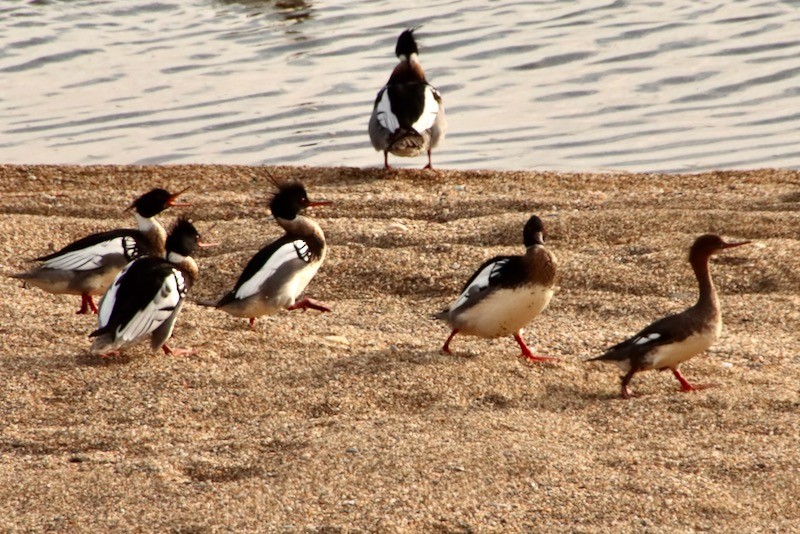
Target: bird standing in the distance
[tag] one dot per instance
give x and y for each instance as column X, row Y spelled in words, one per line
column 87, row 266
column 277, row 275
column 674, row 339
column 408, row 115
column 506, row 293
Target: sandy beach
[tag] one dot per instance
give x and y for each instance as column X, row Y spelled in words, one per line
column 354, row 420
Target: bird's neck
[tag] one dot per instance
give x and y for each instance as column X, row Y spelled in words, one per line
column 185, row 264
column 707, row 299
column 154, row 232
column 541, row 265
column 305, row 227
column 408, row 70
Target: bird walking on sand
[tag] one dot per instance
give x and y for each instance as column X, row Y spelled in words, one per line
column 277, row 275
column 147, row 296
column 506, row 293
column 408, row 115
column 87, row 266
column 674, row 339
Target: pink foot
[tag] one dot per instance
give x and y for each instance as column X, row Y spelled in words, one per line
column 307, row 303
column 686, row 386
column 177, row 352
column 252, row 323
column 526, row 352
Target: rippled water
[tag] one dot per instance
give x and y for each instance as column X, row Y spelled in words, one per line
column 682, row 85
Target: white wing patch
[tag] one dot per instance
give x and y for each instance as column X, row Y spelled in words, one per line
column 429, row 112
column 90, row 258
column 386, row 118
column 110, row 299
column 157, row 310
column 644, row 340
column 480, row 283
column 287, row 253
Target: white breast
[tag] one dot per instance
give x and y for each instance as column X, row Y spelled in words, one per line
column 504, row 312
column 671, row 355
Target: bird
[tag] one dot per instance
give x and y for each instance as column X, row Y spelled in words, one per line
column 277, row 275
column 87, row 267
column 147, row 296
column 506, row 293
column 408, row 115
column 674, row 339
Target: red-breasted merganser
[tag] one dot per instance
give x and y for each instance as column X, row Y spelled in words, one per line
column 147, row 296
column 408, row 116
column 278, row 274
column 87, row 266
column 506, row 293
column 670, row 341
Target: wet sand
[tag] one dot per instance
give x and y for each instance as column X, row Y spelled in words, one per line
column 353, row 419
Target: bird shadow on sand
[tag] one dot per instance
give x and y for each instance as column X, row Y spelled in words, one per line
column 87, row 359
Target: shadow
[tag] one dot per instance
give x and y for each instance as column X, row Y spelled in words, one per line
column 87, row 359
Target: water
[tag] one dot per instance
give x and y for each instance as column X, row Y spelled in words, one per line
column 672, row 86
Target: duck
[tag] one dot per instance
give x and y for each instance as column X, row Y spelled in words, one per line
column 147, row 296
column 674, row 339
column 408, row 116
column 88, row 266
column 277, row 275
column 506, row 293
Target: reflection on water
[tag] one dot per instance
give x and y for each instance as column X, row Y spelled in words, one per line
column 556, row 84
column 291, row 10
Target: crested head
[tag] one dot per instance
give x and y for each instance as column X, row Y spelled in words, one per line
column 183, row 238
column 290, row 199
column 707, row 245
column 533, row 233
column 406, row 45
column 154, row 202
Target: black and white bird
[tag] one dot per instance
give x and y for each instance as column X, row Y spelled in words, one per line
column 87, row 266
column 147, row 296
column 277, row 275
column 408, row 116
column 672, row 340
column 506, row 293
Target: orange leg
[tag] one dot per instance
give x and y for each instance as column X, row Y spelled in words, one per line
column 625, row 392
column 87, row 303
column 446, row 348
column 429, row 166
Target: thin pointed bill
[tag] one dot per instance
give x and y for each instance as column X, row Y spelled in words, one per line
column 737, row 244
column 172, row 199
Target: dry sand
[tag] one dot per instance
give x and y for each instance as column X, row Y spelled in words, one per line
column 353, row 420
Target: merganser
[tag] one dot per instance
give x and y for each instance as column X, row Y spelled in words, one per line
column 147, row 296
column 674, row 339
column 278, row 274
column 408, row 116
column 87, row 266
column 506, row 293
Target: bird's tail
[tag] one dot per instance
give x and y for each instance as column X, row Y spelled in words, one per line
column 442, row 315
column 207, row 303
column 408, row 143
